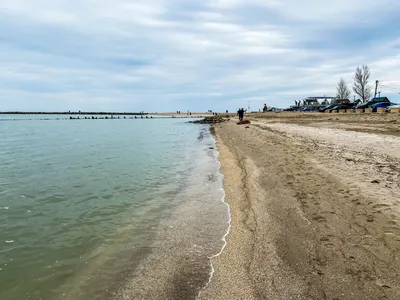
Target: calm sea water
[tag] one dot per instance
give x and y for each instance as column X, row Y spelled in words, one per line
column 107, row 209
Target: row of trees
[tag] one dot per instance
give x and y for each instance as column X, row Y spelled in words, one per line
column 360, row 85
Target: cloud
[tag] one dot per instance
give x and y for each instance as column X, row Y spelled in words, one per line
column 189, row 55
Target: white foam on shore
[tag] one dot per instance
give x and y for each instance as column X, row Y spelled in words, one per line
column 228, row 229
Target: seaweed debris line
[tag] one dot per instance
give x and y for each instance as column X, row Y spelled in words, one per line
column 210, row 120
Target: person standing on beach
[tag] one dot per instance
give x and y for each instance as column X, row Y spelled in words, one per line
column 241, row 112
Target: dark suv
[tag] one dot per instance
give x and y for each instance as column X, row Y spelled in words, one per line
column 372, row 102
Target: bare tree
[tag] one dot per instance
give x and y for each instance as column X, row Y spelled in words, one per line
column 342, row 91
column 360, row 85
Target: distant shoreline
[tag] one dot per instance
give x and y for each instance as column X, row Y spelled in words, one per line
column 163, row 114
column 70, row 113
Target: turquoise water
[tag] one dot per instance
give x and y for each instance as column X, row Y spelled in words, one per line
column 87, row 205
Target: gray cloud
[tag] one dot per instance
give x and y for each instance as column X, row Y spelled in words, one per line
column 185, row 54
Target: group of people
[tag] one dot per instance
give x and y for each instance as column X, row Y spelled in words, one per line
column 178, row 112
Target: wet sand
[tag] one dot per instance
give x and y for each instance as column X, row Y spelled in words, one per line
column 315, row 207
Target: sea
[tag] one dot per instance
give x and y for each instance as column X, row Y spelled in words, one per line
column 117, row 208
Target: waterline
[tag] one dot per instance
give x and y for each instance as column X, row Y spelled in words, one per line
column 224, row 238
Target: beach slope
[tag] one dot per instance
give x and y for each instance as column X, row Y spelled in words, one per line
column 314, row 215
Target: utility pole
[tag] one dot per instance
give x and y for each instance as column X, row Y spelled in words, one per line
column 376, row 87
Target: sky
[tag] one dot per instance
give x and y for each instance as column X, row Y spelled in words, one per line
column 169, row 55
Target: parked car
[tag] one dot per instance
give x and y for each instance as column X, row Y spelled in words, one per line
column 310, row 108
column 274, row 109
column 291, row 109
column 381, row 105
column 327, row 108
column 345, row 106
column 371, row 102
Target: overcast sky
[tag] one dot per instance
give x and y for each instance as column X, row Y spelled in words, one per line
column 168, row 55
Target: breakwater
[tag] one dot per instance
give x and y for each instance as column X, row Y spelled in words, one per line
column 73, row 113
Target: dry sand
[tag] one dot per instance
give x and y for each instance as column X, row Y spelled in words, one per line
column 387, row 123
column 315, row 208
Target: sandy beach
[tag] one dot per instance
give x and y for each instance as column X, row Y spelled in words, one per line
column 315, row 207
